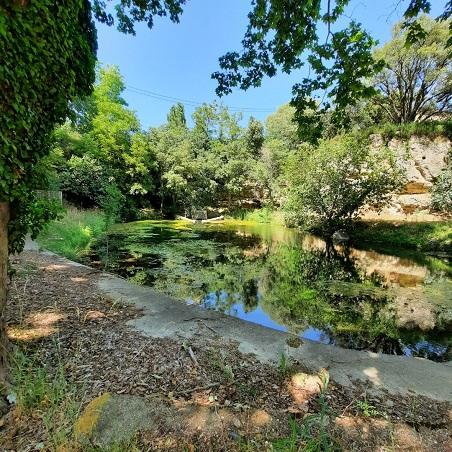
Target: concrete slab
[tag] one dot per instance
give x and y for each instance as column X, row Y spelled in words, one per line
column 166, row 317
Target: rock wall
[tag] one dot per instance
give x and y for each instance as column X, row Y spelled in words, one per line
column 422, row 158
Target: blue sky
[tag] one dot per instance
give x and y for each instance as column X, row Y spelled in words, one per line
column 177, row 59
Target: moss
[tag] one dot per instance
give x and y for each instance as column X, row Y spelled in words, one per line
column 88, row 420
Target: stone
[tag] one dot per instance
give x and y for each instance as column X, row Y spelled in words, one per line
column 303, row 387
column 414, row 203
column 113, row 418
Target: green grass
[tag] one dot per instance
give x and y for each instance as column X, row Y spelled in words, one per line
column 50, row 397
column 73, row 235
column 425, row 236
column 264, row 215
column 431, row 129
column 313, row 434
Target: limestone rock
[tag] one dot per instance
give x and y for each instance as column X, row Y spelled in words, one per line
column 414, row 202
column 113, row 418
column 423, row 159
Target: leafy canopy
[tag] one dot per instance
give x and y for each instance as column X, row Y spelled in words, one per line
column 282, row 35
column 416, row 82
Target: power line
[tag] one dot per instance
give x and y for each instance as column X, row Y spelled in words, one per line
column 191, row 103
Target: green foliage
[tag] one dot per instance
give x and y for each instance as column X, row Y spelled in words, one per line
column 176, row 117
column 329, row 184
column 442, row 191
column 367, row 409
column 279, row 35
column 73, row 235
column 281, row 126
column 264, row 215
column 84, row 179
column 128, row 12
column 35, row 98
column 254, row 136
column 205, row 165
column 31, row 215
column 416, row 82
column 112, row 203
column 104, row 147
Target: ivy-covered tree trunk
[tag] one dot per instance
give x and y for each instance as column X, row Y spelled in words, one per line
column 4, row 218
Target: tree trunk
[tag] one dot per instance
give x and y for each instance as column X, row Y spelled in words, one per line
column 4, row 218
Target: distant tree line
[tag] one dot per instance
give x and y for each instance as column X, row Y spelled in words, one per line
column 101, row 156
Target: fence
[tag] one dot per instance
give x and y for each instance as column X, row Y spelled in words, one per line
column 51, row 195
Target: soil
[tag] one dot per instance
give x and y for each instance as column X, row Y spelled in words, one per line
column 227, row 400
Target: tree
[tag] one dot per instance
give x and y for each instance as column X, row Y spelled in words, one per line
column 271, row 166
column 125, row 152
column 48, row 56
column 280, row 33
column 281, row 126
column 48, row 59
column 176, row 117
column 84, row 180
column 416, row 83
column 254, row 136
column 328, row 185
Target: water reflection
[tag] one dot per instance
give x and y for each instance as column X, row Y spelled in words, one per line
column 279, row 278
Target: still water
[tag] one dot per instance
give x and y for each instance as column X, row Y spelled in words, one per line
column 278, row 277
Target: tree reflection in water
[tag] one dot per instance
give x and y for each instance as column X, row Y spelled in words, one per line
column 280, row 278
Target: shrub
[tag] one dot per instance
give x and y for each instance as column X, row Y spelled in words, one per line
column 442, row 191
column 84, row 180
column 328, row 185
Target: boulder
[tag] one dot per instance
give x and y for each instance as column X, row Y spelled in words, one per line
column 113, row 419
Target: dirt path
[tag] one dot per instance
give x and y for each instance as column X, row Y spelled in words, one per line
column 224, row 397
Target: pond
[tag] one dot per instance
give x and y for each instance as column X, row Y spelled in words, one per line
column 283, row 279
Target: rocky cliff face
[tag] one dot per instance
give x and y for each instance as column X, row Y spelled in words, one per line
column 423, row 159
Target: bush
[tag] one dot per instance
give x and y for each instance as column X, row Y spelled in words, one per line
column 84, row 180
column 442, row 191
column 263, row 215
column 328, row 185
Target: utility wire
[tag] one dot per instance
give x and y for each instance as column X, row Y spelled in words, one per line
column 191, row 103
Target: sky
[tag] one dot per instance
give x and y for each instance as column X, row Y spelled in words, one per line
column 177, row 60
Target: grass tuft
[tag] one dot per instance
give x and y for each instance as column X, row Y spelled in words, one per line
column 39, row 394
column 73, row 235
